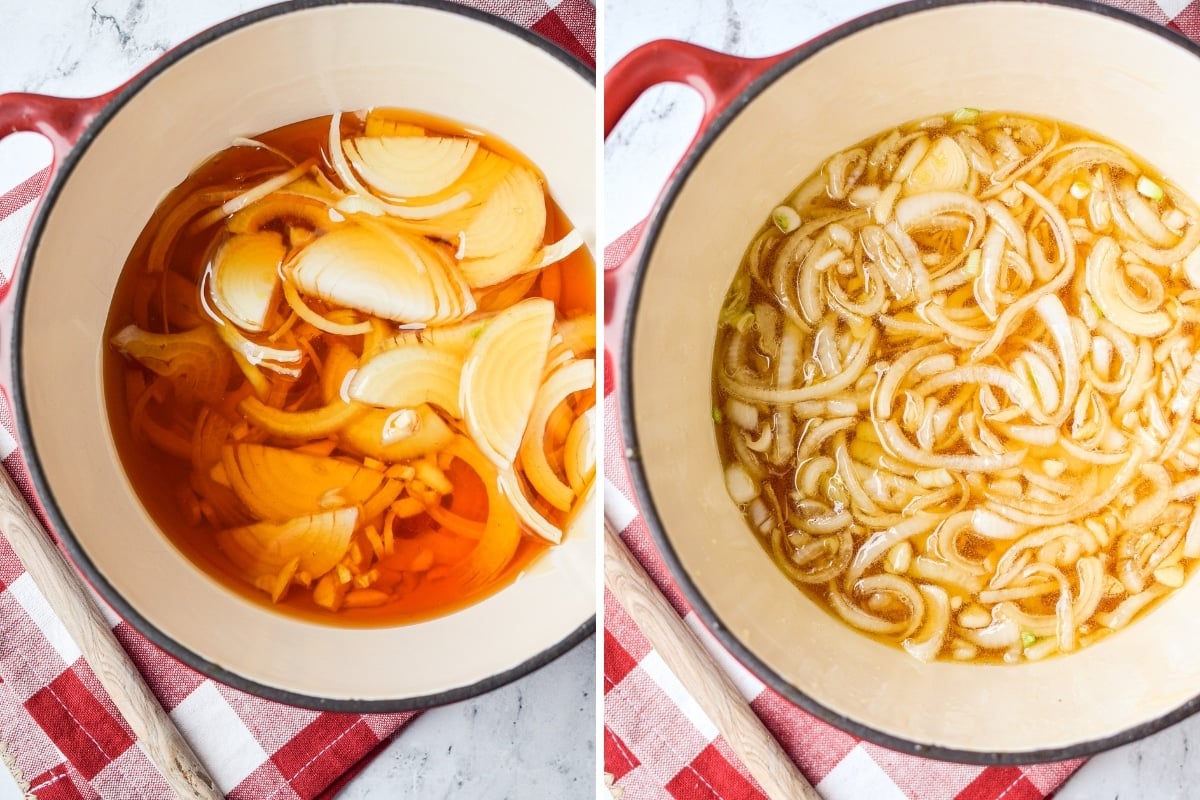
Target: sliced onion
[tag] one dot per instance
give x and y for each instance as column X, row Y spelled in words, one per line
column 510, row 485
column 318, row 542
column 280, row 484
column 555, row 252
column 366, row 435
column 245, row 278
column 502, row 533
column 1001, row 634
column 194, row 358
column 408, row 375
column 828, row 388
column 878, row 543
column 1101, row 276
column 576, row 376
column 311, row 424
column 358, row 268
column 860, row 619
column 1144, row 216
column 410, row 166
column 579, row 451
column 236, row 204
column 297, row 304
column 918, row 210
column 1054, row 314
column 501, row 376
column 943, row 167
column 503, row 236
column 1019, row 308
column 341, row 166
column 1120, row 616
column 926, row 643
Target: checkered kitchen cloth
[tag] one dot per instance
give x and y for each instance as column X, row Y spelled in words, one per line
column 659, row 745
column 57, row 724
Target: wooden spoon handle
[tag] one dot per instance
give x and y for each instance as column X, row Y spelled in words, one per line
column 774, row 770
column 69, row 599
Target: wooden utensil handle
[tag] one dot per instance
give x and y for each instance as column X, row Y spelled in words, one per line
column 69, row 599
column 774, row 770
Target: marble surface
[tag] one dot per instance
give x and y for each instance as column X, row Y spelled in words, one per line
column 532, row 739
column 638, row 158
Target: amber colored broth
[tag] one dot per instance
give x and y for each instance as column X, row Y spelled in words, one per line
column 781, row 478
column 157, row 477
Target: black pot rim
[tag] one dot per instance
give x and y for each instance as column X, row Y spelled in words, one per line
column 29, row 446
column 629, row 428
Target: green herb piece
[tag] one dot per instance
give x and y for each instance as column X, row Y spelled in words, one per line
column 974, row 260
column 785, row 218
column 965, row 115
column 1150, row 189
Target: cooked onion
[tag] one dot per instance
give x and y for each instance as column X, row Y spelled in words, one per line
column 960, row 399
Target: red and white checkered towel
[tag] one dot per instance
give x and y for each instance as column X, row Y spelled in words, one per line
column 659, row 745
column 59, row 726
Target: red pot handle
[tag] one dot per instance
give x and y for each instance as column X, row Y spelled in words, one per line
column 719, row 78
column 62, row 121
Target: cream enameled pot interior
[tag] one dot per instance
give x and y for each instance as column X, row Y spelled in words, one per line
column 279, row 70
column 1107, row 75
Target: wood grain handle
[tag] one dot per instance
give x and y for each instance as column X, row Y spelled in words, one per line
column 69, row 599
column 774, row 770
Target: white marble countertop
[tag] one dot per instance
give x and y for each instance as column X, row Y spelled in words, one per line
column 532, row 739
column 650, row 140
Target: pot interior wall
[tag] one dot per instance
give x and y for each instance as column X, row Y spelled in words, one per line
column 1106, row 75
column 280, row 70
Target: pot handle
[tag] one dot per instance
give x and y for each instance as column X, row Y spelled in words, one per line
column 62, row 120
column 719, row 78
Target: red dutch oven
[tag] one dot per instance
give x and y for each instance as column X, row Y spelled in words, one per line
column 767, row 124
column 115, row 157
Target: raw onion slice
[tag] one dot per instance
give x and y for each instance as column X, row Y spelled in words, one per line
column 553, row 253
column 576, row 376
column 457, row 338
column 368, row 435
column 453, row 293
column 408, row 375
column 363, row 269
column 410, row 166
column 245, row 278
column 259, row 355
column 251, row 196
column 278, row 484
column 311, row 424
column 579, row 451
column 264, row 549
column 505, row 234
column 350, row 181
column 195, row 358
column 510, row 484
column 501, row 377
column 501, row 534
column 385, row 122
column 578, row 333
column 283, row 205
